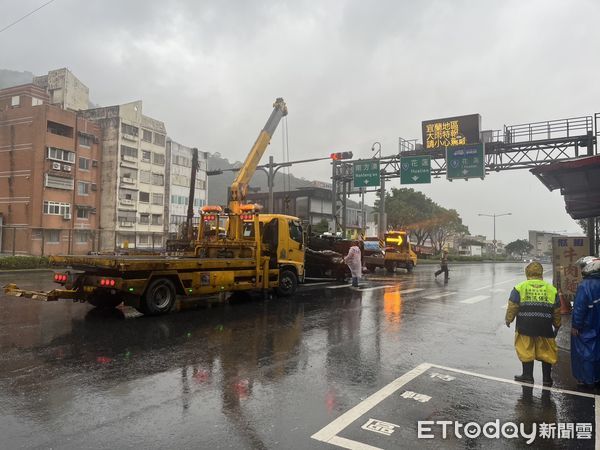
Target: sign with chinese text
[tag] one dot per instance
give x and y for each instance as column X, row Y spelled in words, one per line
column 565, row 251
column 467, row 161
column 366, row 174
column 415, row 169
column 451, row 131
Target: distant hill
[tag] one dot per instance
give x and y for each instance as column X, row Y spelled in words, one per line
column 9, row 78
column 218, row 184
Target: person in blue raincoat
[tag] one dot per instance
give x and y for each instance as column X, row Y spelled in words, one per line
column 585, row 325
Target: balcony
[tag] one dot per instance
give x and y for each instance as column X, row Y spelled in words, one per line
column 127, row 180
column 126, row 224
column 129, row 161
column 127, row 202
column 129, row 137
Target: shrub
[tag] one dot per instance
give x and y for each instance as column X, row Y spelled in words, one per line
column 23, row 262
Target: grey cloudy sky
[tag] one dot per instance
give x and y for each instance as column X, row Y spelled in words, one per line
column 352, row 72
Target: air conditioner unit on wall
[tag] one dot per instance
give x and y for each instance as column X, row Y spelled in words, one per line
column 56, row 166
column 66, row 168
column 67, row 216
column 94, row 187
column 94, row 163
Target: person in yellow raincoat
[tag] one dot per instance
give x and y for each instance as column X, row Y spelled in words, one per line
column 536, row 306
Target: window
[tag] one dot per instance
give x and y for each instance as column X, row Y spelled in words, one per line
column 59, row 129
column 52, row 236
column 131, row 174
column 156, row 219
column 82, row 236
column 158, row 179
column 86, row 140
column 36, row 101
column 146, row 155
column 56, row 208
column 144, row 239
column 157, row 199
column 144, row 219
column 182, row 161
column 158, row 158
column 59, row 182
column 144, row 197
column 84, row 163
column 296, row 231
column 83, row 188
column 15, row 100
column 126, row 217
column 201, row 184
column 83, row 213
column 129, row 151
column 146, row 135
column 159, row 139
column 59, row 154
column 180, row 180
column 145, row 176
column 127, row 194
column 129, row 129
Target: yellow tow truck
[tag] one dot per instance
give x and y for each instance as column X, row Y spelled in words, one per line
column 258, row 252
column 398, row 252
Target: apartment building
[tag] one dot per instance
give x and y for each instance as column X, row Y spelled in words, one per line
column 133, row 176
column 49, row 175
column 178, row 179
column 64, row 89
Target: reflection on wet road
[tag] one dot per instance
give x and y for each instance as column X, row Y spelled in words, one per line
column 263, row 374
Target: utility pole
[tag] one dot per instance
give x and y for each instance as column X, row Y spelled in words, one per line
column 190, row 212
column 494, row 241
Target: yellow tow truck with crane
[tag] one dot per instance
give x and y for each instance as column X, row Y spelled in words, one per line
column 258, row 252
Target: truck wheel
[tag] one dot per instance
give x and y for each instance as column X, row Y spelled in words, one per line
column 104, row 302
column 390, row 267
column 159, row 298
column 288, row 282
column 409, row 267
column 371, row 268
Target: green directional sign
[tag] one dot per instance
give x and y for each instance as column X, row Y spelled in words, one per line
column 466, row 161
column 415, row 169
column 366, row 174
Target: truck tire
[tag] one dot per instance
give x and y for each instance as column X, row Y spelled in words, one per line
column 371, row 268
column 159, row 298
column 104, row 302
column 390, row 267
column 409, row 267
column 288, row 282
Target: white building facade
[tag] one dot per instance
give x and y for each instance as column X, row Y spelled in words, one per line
column 178, row 180
column 133, row 177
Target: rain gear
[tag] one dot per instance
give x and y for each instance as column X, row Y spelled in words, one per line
column 536, row 306
column 585, row 347
column 353, row 260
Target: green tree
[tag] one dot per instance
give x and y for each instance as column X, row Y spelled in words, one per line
column 444, row 224
column 518, row 247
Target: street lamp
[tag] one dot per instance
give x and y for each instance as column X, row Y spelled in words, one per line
column 494, row 217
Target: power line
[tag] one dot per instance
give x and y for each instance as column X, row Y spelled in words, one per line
column 25, row 16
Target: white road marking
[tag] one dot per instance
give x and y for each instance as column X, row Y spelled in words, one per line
column 498, row 290
column 372, row 288
column 339, row 287
column 320, row 283
column 475, row 299
column 329, row 432
column 435, row 297
column 504, row 307
column 501, row 282
column 410, row 291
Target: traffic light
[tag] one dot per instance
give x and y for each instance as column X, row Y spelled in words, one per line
column 340, row 155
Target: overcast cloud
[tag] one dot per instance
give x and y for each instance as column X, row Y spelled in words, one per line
column 351, row 72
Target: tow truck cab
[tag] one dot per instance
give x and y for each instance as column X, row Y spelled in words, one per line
column 398, row 252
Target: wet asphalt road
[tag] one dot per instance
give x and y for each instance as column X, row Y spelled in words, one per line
column 271, row 374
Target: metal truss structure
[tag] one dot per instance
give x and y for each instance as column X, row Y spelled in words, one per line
column 522, row 146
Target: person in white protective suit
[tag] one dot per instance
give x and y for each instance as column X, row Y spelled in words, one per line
column 354, row 261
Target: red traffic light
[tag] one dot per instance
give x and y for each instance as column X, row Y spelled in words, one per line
column 340, row 155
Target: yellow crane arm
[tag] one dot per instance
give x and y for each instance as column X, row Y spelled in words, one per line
column 239, row 187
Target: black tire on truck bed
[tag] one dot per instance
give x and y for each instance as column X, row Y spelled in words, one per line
column 159, row 297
